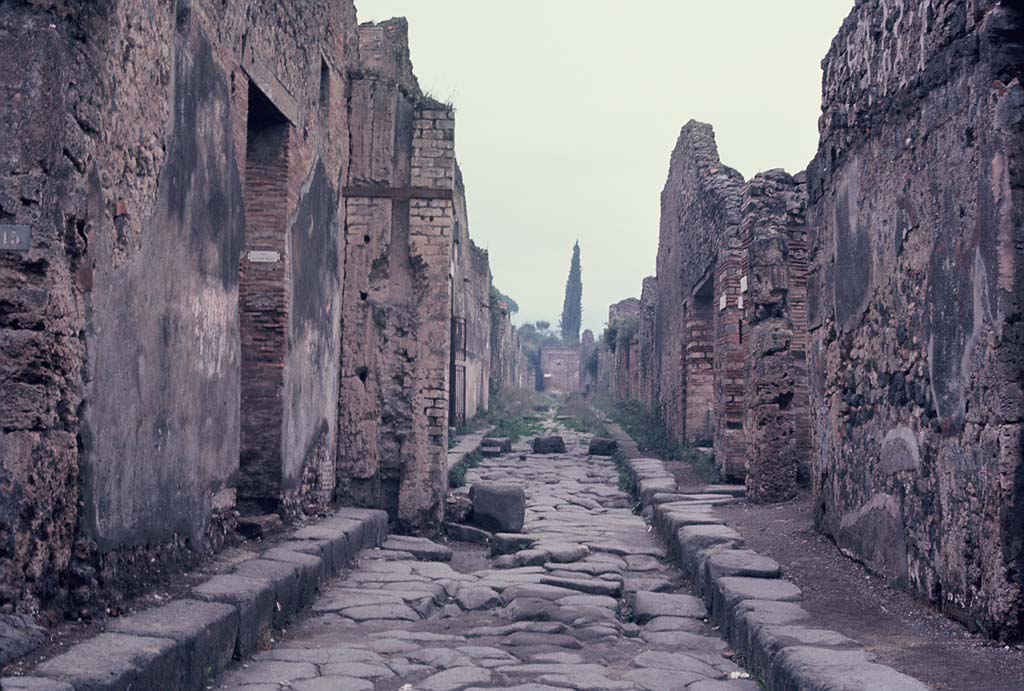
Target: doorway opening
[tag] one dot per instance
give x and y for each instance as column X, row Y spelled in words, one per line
column 263, row 305
column 700, row 358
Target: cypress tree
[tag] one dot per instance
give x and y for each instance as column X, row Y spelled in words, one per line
column 572, row 308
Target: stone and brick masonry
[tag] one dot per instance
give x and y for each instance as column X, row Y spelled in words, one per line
column 238, row 296
column 858, row 328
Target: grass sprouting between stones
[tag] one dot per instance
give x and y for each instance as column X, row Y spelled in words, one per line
column 650, row 435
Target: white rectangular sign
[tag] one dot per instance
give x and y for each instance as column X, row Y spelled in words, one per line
column 264, row 257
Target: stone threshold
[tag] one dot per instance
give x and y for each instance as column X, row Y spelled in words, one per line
column 185, row 644
column 757, row 610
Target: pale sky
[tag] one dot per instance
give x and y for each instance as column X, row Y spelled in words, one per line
column 567, row 112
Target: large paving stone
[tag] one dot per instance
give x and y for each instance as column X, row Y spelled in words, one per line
column 285, row 579
column 692, row 540
column 455, row 678
column 498, row 506
column 733, row 562
column 662, row 679
column 254, row 599
column 204, row 631
column 421, row 548
column 732, row 589
column 822, row 669
column 648, row 606
column 34, row 684
column 118, row 661
column 725, row 685
column 546, row 445
column 591, row 586
column 472, row 598
column 332, row 683
column 677, row 661
column 510, row 543
column 770, row 640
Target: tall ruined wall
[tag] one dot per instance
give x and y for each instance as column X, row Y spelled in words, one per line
column 508, row 362
column 774, row 401
column 914, row 305
column 471, row 317
column 397, row 303
column 699, row 216
column 647, row 382
column 119, row 329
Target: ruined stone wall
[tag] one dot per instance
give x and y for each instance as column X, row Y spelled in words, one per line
column 776, row 417
column 508, row 362
column 471, row 317
column 914, row 305
column 560, row 369
column 120, row 327
column 699, row 216
column 588, row 361
column 397, row 303
column 647, row 382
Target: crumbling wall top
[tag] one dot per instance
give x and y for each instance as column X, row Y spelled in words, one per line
column 384, row 52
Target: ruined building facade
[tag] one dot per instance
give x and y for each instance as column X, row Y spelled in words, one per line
column 234, row 230
column 858, row 328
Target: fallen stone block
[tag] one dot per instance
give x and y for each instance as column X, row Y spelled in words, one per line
column 254, row 599
column 467, row 533
column 545, row 445
column 600, row 446
column 205, row 633
column 420, row 547
column 503, row 443
column 118, row 661
column 499, row 507
column 647, row 606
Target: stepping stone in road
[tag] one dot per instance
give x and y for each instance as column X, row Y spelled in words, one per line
column 545, row 445
column 600, row 446
column 498, row 506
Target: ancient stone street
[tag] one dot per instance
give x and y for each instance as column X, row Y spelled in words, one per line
column 561, row 612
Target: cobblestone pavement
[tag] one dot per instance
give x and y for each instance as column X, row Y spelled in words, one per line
column 587, row 602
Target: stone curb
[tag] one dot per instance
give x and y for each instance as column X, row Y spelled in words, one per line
column 756, row 609
column 185, row 644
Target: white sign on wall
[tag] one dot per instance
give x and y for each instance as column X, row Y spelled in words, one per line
column 264, row 257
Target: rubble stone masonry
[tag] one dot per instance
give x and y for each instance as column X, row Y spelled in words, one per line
column 915, row 302
column 860, row 328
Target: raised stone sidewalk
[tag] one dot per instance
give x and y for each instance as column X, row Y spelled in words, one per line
column 758, row 611
column 188, row 642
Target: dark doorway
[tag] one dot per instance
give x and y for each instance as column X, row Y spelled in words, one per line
column 263, row 305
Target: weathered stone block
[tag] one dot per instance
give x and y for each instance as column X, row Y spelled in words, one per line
column 498, row 507
column 254, row 599
column 118, row 661
column 600, row 446
column 206, row 633
column 545, row 445
column 502, row 443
